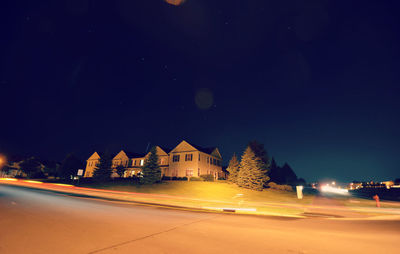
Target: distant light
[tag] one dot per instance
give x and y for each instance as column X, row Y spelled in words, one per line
column 329, row 189
column 333, row 183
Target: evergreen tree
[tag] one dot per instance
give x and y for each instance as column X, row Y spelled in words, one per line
column 32, row 168
column 289, row 177
column 120, row 170
column 151, row 169
column 233, row 169
column 261, row 153
column 69, row 166
column 103, row 171
column 252, row 173
column 276, row 173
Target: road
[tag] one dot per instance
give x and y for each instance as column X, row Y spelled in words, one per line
column 35, row 221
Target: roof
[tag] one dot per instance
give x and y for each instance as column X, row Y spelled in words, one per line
column 207, row 150
column 165, row 149
column 134, row 155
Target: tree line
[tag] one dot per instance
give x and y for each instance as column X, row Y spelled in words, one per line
column 257, row 171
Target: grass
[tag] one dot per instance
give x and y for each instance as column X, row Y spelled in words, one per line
column 214, row 194
column 220, row 190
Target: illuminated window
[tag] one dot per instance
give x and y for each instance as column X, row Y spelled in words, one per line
column 175, row 158
column 188, row 157
column 189, row 172
column 141, row 162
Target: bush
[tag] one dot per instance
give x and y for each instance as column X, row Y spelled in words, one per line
column 196, row 178
column 275, row 186
column 207, row 178
column 176, row 178
column 166, row 178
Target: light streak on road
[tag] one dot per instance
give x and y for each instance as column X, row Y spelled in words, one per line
column 8, row 179
column 31, row 181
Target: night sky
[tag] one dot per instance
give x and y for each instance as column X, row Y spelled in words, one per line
column 317, row 82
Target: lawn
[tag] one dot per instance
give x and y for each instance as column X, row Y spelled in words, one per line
column 220, row 190
column 215, row 194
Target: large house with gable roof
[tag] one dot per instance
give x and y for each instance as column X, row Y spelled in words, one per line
column 185, row 160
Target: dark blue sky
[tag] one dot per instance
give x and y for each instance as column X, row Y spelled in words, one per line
column 317, row 82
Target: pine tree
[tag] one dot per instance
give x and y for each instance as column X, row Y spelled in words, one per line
column 69, row 166
column 151, row 169
column 233, row 169
column 103, row 171
column 120, row 170
column 252, row 173
column 32, row 168
column 275, row 172
column 289, row 175
column 261, row 153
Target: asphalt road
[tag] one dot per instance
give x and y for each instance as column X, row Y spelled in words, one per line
column 33, row 221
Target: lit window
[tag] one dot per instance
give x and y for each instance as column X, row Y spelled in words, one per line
column 189, row 172
column 141, row 162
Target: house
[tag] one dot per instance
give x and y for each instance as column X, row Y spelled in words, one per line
column 137, row 161
column 191, row 160
column 185, row 160
column 91, row 164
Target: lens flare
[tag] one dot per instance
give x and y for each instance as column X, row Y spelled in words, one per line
column 204, row 98
column 175, row 2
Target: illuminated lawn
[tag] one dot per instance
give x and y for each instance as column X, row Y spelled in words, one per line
column 216, row 194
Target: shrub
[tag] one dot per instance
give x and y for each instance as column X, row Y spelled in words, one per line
column 275, row 186
column 207, row 178
column 196, row 178
column 166, row 178
column 177, row 178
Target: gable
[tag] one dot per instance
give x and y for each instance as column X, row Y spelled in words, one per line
column 160, row 151
column 183, row 147
column 216, row 153
column 121, row 156
column 94, row 156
